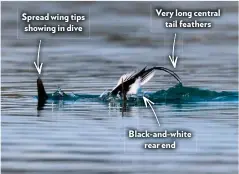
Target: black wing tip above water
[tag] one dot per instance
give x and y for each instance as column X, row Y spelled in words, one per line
column 42, row 96
column 41, row 89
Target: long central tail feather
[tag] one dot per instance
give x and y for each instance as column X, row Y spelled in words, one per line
column 168, row 71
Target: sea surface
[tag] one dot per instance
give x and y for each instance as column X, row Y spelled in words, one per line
column 91, row 136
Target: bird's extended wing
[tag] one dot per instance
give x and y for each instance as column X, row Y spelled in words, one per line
column 128, row 79
column 125, row 77
column 147, row 76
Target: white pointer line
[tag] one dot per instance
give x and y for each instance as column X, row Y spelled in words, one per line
column 174, row 42
column 38, row 53
column 172, row 59
column 38, row 57
column 146, row 100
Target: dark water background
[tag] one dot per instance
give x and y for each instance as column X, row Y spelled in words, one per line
column 91, row 137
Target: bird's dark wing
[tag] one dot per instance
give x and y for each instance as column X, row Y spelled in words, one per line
column 42, row 96
column 41, row 90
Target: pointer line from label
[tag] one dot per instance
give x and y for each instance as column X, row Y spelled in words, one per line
column 172, row 59
column 146, row 100
column 38, row 57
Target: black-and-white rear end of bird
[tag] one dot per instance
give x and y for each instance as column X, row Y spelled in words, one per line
column 131, row 83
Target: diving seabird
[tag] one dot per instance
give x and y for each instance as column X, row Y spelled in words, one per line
column 130, row 83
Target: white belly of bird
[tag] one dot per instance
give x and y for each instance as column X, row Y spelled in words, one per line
column 135, row 87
